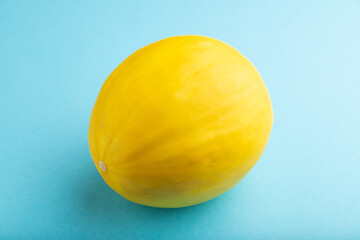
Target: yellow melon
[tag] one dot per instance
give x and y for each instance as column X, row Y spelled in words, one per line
column 179, row 122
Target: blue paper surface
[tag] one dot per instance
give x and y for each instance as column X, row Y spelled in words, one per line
column 55, row 56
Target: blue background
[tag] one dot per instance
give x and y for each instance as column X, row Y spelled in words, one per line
column 54, row 57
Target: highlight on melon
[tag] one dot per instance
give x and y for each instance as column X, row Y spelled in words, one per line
column 179, row 122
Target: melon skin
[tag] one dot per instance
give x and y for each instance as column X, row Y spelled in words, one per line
column 179, row 122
